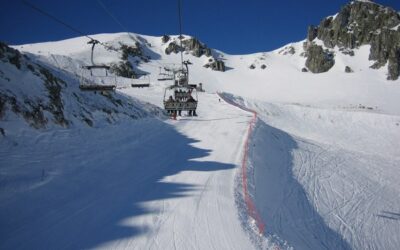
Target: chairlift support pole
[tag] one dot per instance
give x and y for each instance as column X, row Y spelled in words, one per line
column 93, row 42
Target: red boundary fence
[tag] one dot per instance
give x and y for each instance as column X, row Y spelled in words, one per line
column 251, row 208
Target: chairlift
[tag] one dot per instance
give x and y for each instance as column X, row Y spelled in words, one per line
column 142, row 82
column 165, row 74
column 178, row 99
column 181, row 96
column 95, row 76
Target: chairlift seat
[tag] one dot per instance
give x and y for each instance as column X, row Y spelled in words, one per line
column 97, row 87
column 90, row 67
column 143, row 85
column 180, row 106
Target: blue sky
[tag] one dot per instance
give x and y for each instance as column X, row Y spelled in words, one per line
column 233, row 26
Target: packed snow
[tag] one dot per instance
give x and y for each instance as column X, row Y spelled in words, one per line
column 323, row 159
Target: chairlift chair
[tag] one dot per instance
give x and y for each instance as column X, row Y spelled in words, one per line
column 178, row 99
column 181, row 96
column 142, row 82
column 165, row 75
column 96, row 76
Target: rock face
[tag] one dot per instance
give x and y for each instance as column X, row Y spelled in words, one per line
column 312, row 33
column 318, row 59
column 173, row 48
column 216, row 65
column 123, row 69
column 130, row 54
column 288, row 50
column 33, row 111
column 360, row 23
column 198, row 49
column 165, row 38
column 347, row 69
column 193, row 45
column 131, row 51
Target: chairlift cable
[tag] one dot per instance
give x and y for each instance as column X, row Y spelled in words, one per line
column 30, row 5
column 55, row 19
column 180, row 29
column 114, row 18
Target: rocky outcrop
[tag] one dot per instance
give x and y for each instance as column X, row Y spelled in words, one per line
column 173, row 48
column 385, row 46
column 193, row 45
column 394, row 65
column 196, row 47
column 312, row 33
column 318, row 59
column 123, row 69
column 216, row 65
column 360, row 23
column 347, row 69
column 30, row 109
column 135, row 51
column 10, row 55
column 165, row 38
column 288, row 50
column 130, row 54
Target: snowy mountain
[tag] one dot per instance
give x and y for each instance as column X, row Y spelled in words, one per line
column 296, row 148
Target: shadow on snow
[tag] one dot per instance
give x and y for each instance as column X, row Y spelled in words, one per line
column 103, row 178
column 281, row 200
column 389, row 215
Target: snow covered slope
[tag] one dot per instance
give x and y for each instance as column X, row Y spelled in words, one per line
column 140, row 185
column 323, row 160
column 42, row 95
column 326, row 178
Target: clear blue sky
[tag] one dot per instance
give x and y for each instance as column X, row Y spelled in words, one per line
column 233, row 26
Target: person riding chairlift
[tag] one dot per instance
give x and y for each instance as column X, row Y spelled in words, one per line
column 191, row 112
column 190, row 99
column 170, row 100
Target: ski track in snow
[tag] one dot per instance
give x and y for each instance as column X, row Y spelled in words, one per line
column 317, row 191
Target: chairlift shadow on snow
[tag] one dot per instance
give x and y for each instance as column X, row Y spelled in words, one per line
column 104, row 181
